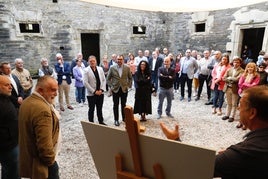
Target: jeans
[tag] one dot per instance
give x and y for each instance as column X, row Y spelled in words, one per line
column 218, row 98
column 184, row 78
column 9, row 162
column 92, row 102
column 202, row 79
column 116, row 97
column 168, row 93
column 177, row 82
column 80, row 94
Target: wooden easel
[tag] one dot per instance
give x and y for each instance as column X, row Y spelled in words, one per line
column 133, row 130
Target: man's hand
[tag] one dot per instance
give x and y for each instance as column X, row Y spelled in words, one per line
column 171, row 134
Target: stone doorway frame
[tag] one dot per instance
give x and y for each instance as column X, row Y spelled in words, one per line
column 235, row 46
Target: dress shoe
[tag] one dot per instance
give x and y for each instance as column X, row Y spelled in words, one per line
column 116, row 123
column 198, row 98
column 239, row 125
column 102, row 123
column 189, row 99
column 158, row 116
column 181, row 98
column 225, row 117
column 70, row 107
column 231, row 119
column 170, row 116
column 62, row 109
column 209, row 103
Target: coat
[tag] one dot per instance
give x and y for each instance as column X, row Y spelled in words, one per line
column 115, row 81
column 65, row 71
column 38, row 136
column 90, row 81
column 232, row 80
column 221, row 75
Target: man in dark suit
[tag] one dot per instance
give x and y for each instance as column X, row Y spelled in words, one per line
column 119, row 79
column 63, row 71
column 17, row 93
column 9, row 131
column 155, row 62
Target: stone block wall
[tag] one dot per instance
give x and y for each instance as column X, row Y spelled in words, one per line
column 62, row 23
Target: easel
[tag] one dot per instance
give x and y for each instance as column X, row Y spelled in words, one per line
column 133, row 129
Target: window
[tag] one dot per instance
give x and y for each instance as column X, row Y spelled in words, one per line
column 29, row 28
column 139, row 29
column 54, row 1
column 200, row 27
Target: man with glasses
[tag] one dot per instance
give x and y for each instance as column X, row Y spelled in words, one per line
column 119, row 78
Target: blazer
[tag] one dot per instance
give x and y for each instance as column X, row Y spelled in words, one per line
column 61, row 73
column 78, row 76
column 90, row 81
column 115, row 81
column 14, row 95
column 232, row 80
column 222, row 73
column 192, row 67
column 38, row 137
column 158, row 64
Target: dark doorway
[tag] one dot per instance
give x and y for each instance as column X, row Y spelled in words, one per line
column 253, row 38
column 90, row 45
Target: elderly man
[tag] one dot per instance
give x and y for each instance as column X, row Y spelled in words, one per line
column 8, row 132
column 45, row 69
column 64, row 80
column 39, row 131
column 24, row 76
column 249, row 158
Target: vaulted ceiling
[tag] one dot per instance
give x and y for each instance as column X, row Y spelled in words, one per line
column 176, row 5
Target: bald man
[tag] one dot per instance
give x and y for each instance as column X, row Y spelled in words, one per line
column 8, row 132
column 39, row 131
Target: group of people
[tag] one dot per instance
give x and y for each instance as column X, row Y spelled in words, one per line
column 37, row 134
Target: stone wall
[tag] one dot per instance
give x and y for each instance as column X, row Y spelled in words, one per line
column 62, row 23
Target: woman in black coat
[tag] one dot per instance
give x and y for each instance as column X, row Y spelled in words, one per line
column 143, row 104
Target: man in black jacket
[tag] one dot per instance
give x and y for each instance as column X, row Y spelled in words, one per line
column 17, row 94
column 8, row 132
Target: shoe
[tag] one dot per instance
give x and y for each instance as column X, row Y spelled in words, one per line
column 143, row 119
column 239, row 125
column 231, row 119
column 102, row 123
column 214, row 112
column 62, row 109
column 170, row 116
column 116, row 123
column 198, row 98
column 81, row 104
column 244, row 127
column 181, row 98
column 225, row 117
column 158, row 116
column 189, row 99
column 219, row 113
column 154, row 94
column 70, row 107
column 209, row 103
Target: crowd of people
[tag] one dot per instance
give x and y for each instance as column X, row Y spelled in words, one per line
column 159, row 75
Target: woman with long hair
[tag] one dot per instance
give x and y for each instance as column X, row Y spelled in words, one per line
column 142, row 77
